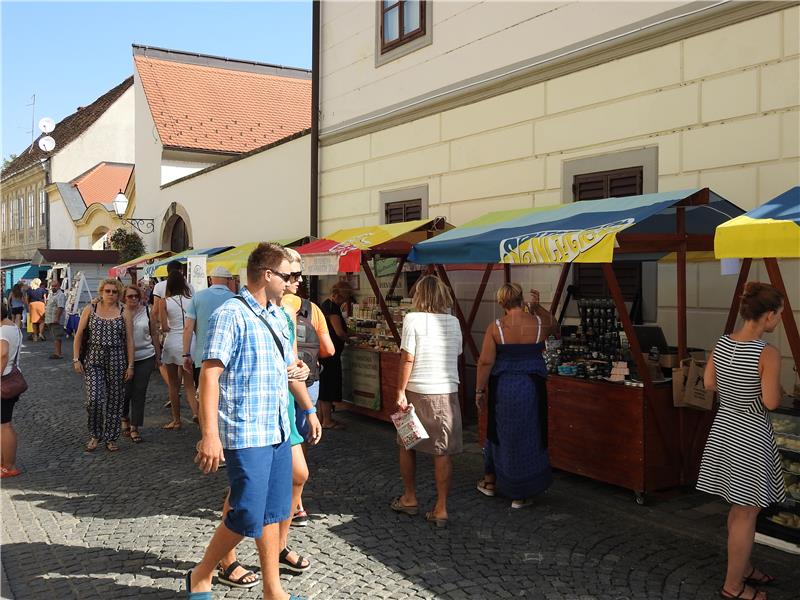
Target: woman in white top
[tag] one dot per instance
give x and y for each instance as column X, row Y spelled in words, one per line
column 10, row 343
column 428, row 381
column 172, row 316
column 146, row 358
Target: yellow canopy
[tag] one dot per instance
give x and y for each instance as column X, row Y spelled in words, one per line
column 235, row 259
column 120, row 270
column 364, row 238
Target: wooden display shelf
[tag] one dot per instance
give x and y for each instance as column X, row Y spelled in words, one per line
column 389, row 364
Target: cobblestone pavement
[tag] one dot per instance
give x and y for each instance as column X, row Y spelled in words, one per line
column 129, row 524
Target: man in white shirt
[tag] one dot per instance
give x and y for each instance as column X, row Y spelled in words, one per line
column 53, row 315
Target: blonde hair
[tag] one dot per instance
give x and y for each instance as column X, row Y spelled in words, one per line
column 294, row 256
column 110, row 281
column 432, row 295
column 510, row 296
column 35, row 283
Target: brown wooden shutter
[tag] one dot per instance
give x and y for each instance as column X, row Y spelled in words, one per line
column 403, row 211
column 589, row 278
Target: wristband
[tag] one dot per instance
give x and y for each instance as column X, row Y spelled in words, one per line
column 310, row 411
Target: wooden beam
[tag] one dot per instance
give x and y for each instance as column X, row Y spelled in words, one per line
column 476, row 304
column 400, row 264
column 627, row 325
column 379, row 297
column 680, row 224
column 789, row 324
column 736, row 301
column 506, row 273
column 562, row 283
column 465, row 332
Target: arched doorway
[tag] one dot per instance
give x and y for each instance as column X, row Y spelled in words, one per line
column 179, row 236
column 101, row 239
column 176, row 231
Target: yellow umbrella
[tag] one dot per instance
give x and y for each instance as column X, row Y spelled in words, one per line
column 235, row 259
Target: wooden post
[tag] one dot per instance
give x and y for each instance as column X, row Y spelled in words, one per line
column 465, row 332
column 627, row 325
column 379, row 297
column 789, row 324
column 400, row 264
column 506, row 273
column 680, row 217
column 744, row 271
column 562, row 283
column 479, row 296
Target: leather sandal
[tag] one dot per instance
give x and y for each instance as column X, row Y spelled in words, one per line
column 297, row 566
column 764, row 579
column 91, row 445
column 756, row 595
column 406, row 509
column 224, row 576
column 433, row 520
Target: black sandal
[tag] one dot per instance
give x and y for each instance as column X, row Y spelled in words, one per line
column 295, row 567
column 224, row 576
column 763, row 580
column 757, row 594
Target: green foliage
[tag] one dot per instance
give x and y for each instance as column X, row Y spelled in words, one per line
column 129, row 244
column 9, row 159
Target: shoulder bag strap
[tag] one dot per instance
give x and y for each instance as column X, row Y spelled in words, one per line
column 19, row 347
column 263, row 320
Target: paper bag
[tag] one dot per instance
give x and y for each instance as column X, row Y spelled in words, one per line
column 695, row 393
column 409, row 427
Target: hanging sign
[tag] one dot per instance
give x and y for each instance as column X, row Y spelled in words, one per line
column 196, row 273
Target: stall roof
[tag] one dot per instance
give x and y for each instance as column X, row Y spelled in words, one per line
column 120, row 270
column 576, row 232
column 235, row 259
column 51, row 255
column 159, row 268
column 770, row 231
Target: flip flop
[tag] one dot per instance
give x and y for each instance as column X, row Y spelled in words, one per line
column 440, row 523
column 224, row 576
column 195, row 595
column 405, row 509
column 297, row 566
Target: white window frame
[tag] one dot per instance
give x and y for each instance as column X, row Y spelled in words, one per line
column 42, row 208
column 31, row 211
column 20, row 213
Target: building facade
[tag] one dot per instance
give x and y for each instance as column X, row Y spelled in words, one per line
column 461, row 108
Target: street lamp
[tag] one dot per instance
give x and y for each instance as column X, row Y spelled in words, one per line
column 120, row 204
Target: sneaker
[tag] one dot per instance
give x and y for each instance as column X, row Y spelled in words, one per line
column 300, row 518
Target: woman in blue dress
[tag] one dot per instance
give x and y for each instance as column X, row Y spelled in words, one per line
column 511, row 388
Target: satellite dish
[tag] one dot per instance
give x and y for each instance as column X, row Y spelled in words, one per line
column 46, row 124
column 46, row 143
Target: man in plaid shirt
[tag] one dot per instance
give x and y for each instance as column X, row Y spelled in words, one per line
column 243, row 401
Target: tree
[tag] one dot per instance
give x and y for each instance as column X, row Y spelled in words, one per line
column 129, row 244
column 9, row 159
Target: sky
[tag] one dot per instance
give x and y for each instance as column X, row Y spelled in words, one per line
column 70, row 53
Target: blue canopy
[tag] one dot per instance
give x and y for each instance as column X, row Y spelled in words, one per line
column 576, row 232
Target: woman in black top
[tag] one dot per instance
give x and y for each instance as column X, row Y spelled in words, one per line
column 330, row 379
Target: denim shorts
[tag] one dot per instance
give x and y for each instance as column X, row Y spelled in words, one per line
column 261, row 487
column 299, row 418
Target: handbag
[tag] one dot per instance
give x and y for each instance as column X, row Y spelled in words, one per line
column 13, row 384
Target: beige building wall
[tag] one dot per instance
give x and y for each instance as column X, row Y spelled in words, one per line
column 265, row 196
column 722, row 110
column 22, row 228
column 148, row 167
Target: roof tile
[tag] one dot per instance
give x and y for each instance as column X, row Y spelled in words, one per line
column 103, row 182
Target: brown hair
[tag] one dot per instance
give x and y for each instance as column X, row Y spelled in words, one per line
column 265, row 256
column 758, row 299
column 342, row 289
column 135, row 288
column 510, row 296
column 432, row 295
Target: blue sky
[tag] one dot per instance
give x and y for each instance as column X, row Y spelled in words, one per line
column 69, row 53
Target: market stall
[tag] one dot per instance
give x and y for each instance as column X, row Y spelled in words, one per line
column 159, row 267
column 610, row 413
column 133, row 266
column 370, row 364
column 770, row 232
column 235, row 259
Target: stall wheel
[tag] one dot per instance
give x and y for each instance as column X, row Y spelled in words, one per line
column 638, row 497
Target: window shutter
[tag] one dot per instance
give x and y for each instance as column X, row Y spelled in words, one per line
column 403, row 211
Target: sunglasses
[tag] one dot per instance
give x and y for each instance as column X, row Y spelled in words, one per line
column 288, row 277
column 111, row 291
column 131, row 297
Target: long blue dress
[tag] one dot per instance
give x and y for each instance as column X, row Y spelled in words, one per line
column 516, row 444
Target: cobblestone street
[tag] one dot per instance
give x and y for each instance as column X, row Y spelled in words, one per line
column 129, row 524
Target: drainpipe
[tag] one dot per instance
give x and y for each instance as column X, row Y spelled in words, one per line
column 46, row 166
column 313, row 226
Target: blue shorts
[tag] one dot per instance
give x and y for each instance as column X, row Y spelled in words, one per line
column 261, row 487
column 299, row 417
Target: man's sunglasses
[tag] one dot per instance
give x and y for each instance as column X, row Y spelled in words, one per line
column 288, row 277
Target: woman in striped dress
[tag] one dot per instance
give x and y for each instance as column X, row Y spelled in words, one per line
column 741, row 461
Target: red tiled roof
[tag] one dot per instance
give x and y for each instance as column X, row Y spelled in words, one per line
column 103, row 182
column 69, row 128
column 222, row 108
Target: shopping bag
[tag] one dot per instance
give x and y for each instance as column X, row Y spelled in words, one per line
column 409, row 427
column 695, row 394
column 679, row 375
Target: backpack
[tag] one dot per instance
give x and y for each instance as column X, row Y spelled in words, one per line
column 308, row 341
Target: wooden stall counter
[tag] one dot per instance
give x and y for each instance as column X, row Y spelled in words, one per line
column 620, row 435
column 370, row 381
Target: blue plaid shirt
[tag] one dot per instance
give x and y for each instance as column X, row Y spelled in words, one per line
column 254, row 387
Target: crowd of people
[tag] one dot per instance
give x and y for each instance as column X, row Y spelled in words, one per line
column 264, row 358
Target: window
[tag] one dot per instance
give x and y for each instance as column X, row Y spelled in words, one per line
column 31, row 212
column 19, row 222
column 401, row 22
column 400, row 212
column 42, row 208
column 404, row 204
column 589, row 279
column 3, row 222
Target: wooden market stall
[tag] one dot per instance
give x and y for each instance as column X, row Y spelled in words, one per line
column 370, row 367
column 628, row 434
column 133, row 266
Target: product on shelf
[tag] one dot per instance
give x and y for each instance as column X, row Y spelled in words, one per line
column 786, row 518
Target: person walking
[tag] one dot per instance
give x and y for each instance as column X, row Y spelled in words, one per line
column 10, row 344
column 157, row 296
column 510, row 388
column 177, row 300
column 246, row 418
column 428, row 381
column 36, row 297
column 107, row 363
column 54, row 316
column 146, row 358
column 330, row 380
column 741, row 462
column 16, row 302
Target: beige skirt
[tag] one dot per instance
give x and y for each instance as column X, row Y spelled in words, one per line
column 440, row 415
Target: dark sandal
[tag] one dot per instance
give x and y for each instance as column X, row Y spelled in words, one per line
column 440, row 523
column 136, row 437
column 296, row 567
column 757, row 594
column 112, row 447
column 763, row 580
column 224, row 576
column 398, row 507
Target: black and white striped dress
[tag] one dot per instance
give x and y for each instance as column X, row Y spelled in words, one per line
column 741, row 461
